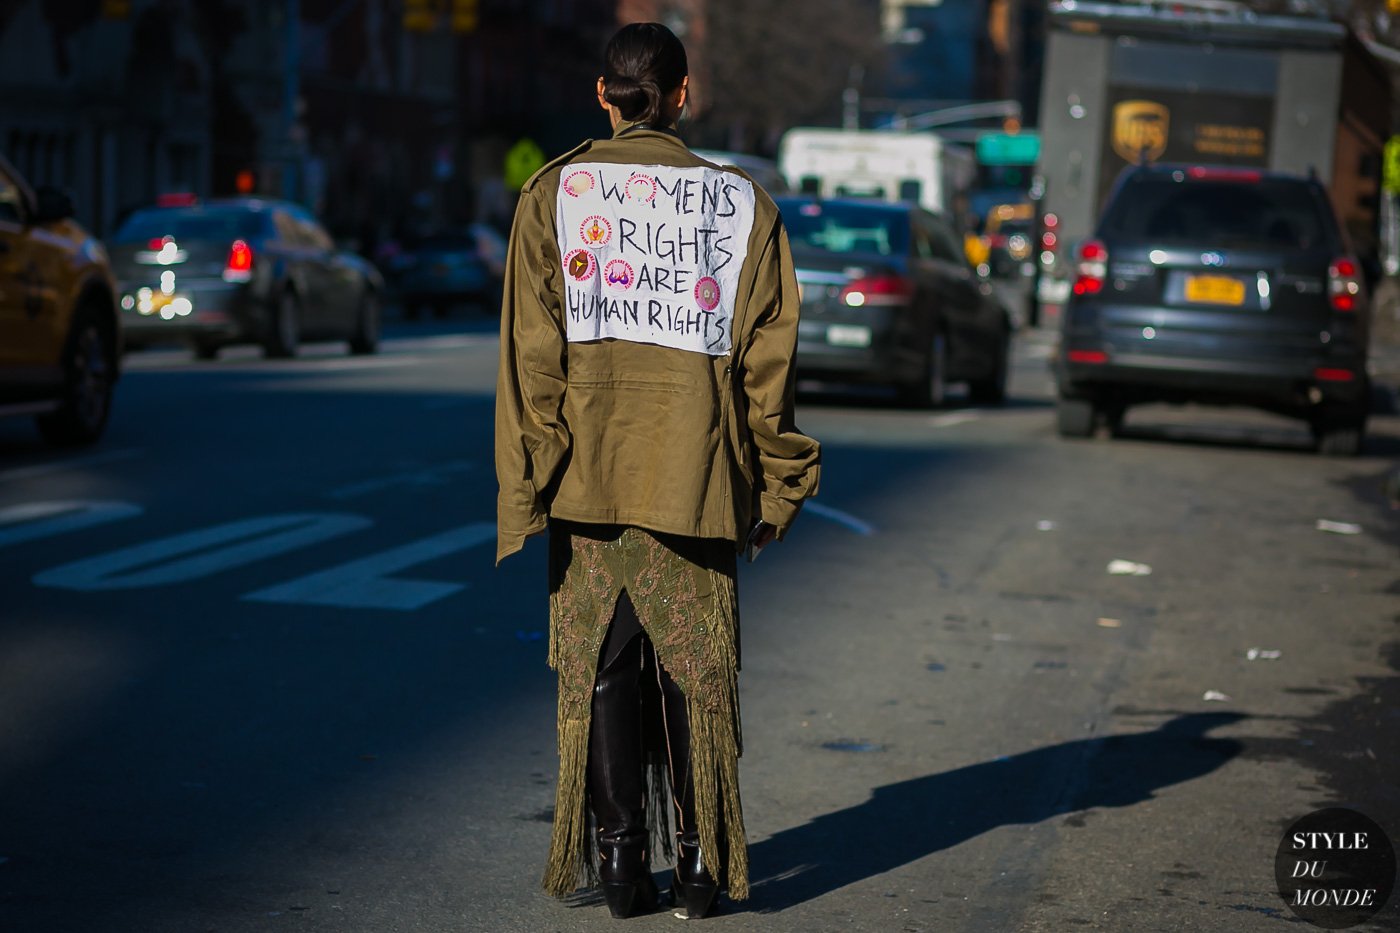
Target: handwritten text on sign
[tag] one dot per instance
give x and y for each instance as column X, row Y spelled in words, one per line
column 652, row 253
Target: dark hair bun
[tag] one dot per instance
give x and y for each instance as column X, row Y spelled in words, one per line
column 643, row 65
column 639, row 101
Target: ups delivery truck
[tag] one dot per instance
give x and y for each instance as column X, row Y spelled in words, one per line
column 1202, row 82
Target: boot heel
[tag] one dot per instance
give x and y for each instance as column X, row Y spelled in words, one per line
column 620, row 896
column 699, row 899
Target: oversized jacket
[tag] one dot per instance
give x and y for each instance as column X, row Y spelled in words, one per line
column 621, row 431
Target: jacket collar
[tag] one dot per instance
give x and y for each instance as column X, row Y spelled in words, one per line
column 633, row 129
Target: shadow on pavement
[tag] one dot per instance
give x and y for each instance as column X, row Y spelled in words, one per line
column 904, row 822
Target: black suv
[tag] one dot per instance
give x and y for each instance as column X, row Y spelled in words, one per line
column 1221, row 286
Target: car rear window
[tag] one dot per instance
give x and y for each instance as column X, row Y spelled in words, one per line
column 846, row 228
column 221, row 224
column 1177, row 209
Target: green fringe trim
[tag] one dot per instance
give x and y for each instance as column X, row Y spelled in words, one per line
column 716, row 744
column 570, row 855
column 714, row 765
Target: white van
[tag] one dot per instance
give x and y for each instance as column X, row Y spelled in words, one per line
column 885, row 164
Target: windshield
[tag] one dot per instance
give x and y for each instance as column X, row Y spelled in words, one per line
column 846, row 228
column 184, row 223
column 1261, row 214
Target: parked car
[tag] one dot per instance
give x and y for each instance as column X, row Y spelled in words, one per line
column 888, row 297
column 449, row 267
column 241, row 270
column 60, row 337
column 1217, row 285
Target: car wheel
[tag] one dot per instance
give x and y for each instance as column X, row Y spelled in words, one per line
column 1113, row 415
column 365, row 339
column 992, row 389
column 205, row 350
column 284, row 329
column 1075, row 417
column 929, row 390
column 1339, row 439
column 88, row 377
column 441, row 309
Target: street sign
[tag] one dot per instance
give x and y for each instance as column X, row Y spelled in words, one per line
column 1008, row 148
column 523, row 160
column 1390, row 175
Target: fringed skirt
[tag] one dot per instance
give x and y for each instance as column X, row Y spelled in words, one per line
column 683, row 591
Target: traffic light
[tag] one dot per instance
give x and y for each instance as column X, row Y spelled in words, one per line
column 464, row 16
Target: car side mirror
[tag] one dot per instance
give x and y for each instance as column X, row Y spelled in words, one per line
column 52, row 205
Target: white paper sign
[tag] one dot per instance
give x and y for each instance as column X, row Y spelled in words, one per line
column 652, row 253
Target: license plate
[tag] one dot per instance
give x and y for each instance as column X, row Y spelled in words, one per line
column 1214, row 290
column 848, row 335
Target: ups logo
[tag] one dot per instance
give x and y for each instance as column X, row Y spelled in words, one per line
column 1140, row 129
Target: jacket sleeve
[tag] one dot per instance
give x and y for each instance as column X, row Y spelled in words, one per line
column 532, row 438
column 789, row 461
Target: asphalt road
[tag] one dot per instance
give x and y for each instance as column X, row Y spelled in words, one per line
column 257, row 672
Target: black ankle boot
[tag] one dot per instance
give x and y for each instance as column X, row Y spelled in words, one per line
column 616, row 786
column 624, row 872
column 696, row 889
column 694, row 885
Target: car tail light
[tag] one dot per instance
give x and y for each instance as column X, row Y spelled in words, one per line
column 1093, row 268
column 1343, row 284
column 1087, row 356
column 877, row 290
column 1202, row 173
column 240, row 262
column 1333, row 374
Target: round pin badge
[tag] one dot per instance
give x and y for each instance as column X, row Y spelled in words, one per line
column 580, row 265
column 707, row 293
column 641, row 187
column 577, row 184
column 619, row 274
column 596, row 231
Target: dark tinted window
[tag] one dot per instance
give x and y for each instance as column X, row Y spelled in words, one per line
column 846, row 228
column 1262, row 214
column 220, row 224
column 446, row 242
column 945, row 243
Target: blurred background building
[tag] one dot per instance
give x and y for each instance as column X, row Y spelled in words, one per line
column 387, row 114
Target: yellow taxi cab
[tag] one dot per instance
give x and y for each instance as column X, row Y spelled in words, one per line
column 1005, row 240
column 60, row 336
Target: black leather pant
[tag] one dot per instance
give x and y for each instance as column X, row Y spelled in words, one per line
column 627, row 665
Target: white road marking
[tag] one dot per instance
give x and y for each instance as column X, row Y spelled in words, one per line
column 950, row 419
column 845, row 519
column 36, row 520
column 254, row 539
column 58, row 466
column 366, row 584
column 430, row 476
column 1038, row 351
column 352, row 363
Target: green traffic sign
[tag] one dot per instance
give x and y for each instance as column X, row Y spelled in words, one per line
column 1390, row 175
column 523, row 160
column 1008, row 148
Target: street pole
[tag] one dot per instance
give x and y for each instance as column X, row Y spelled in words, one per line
column 850, row 98
column 291, row 93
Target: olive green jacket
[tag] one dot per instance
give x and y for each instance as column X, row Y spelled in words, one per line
column 620, row 432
